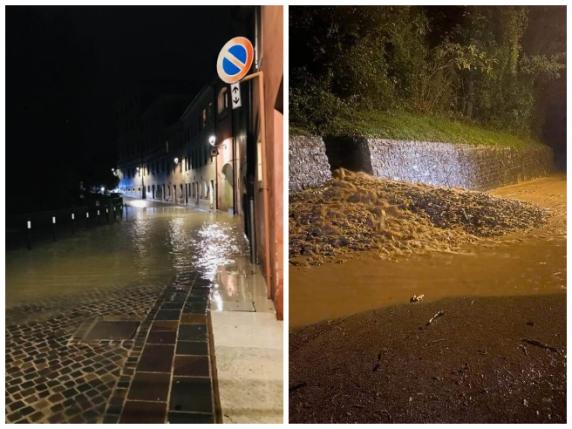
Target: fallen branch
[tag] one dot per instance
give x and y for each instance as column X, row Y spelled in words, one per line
column 539, row 344
column 435, row 316
column 436, row 341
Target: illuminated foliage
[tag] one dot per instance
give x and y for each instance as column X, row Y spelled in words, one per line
column 471, row 63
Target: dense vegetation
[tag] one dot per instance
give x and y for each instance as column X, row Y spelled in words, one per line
column 379, row 70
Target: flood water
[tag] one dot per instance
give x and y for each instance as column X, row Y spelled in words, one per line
column 152, row 246
column 523, row 264
column 529, row 268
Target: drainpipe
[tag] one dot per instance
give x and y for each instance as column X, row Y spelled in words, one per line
column 264, row 189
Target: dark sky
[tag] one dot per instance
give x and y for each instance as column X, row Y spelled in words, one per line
column 66, row 66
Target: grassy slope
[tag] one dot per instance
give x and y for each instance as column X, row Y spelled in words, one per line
column 407, row 126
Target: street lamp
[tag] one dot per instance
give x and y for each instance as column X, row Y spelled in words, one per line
column 212, row 140
column 176, row 160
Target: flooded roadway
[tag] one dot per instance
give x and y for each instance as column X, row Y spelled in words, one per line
column 519, row 264
column 112, row 316
column 152, row 246
column 487, row 344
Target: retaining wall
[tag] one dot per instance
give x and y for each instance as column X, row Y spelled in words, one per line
column 309, row 166
column 442, row 164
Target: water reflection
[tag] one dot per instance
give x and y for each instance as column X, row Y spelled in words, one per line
column 215, row 246
column 141, row 240
column 155, row 245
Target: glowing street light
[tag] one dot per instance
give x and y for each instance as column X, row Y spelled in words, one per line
column 212, row 140
column 176, row 160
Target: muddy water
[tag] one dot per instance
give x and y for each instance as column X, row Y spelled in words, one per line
column 531, row 263
column 152, row 246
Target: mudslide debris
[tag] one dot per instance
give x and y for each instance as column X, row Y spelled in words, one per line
column 357, row 212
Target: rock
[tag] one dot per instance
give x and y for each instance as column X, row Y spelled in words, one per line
column 416, row 298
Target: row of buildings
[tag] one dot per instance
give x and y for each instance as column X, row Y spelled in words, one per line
column 202, row 153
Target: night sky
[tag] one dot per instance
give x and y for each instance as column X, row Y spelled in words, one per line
column 67, row 66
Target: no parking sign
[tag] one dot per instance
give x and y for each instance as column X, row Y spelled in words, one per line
column 235, row 59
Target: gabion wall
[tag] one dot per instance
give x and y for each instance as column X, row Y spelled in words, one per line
column 309, row 166
column 454, row 165
column 441, row 164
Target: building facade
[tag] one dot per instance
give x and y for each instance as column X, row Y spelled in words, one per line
column 202, row 153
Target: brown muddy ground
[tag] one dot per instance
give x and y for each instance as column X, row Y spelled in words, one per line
column 483, row 360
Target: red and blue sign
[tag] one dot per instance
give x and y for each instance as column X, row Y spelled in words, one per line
column 235, row 59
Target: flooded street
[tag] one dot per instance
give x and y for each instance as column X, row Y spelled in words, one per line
column 113, row 324
column 153, row 246
column 531, row 263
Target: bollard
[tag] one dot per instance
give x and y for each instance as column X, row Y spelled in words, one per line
column 107, row 214
column 86, row 218
column 29, row 234
column 98, row 218
column 73, row 223
column 54, row 228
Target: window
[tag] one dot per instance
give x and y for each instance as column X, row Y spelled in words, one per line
column 222, row 102
column 203, row 120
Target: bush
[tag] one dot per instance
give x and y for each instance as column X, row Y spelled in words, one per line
column 473, row 65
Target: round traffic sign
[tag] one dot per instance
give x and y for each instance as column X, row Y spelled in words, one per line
column 235, row 59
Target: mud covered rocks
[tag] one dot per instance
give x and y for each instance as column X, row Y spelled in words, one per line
column 356, row 212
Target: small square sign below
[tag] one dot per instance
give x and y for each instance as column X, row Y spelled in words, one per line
column 235, row 95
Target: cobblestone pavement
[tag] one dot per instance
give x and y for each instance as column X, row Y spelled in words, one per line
column 134, row 355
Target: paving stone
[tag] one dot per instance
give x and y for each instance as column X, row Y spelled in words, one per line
column 192, row 332
column 143, row 412
column 164, row 325
column 111, row 418
column 172, row 305
column 191, row 394
column 57, row 418
column 200, row 291
column 199, row 348
column 191, row 366
column 163, row 337
column 193, row 319
column 156, row 358
column 149, row 386
column 176, row 417
column 196, row 309
column 167, row 315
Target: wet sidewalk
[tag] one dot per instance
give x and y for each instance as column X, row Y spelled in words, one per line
column 248, row 344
